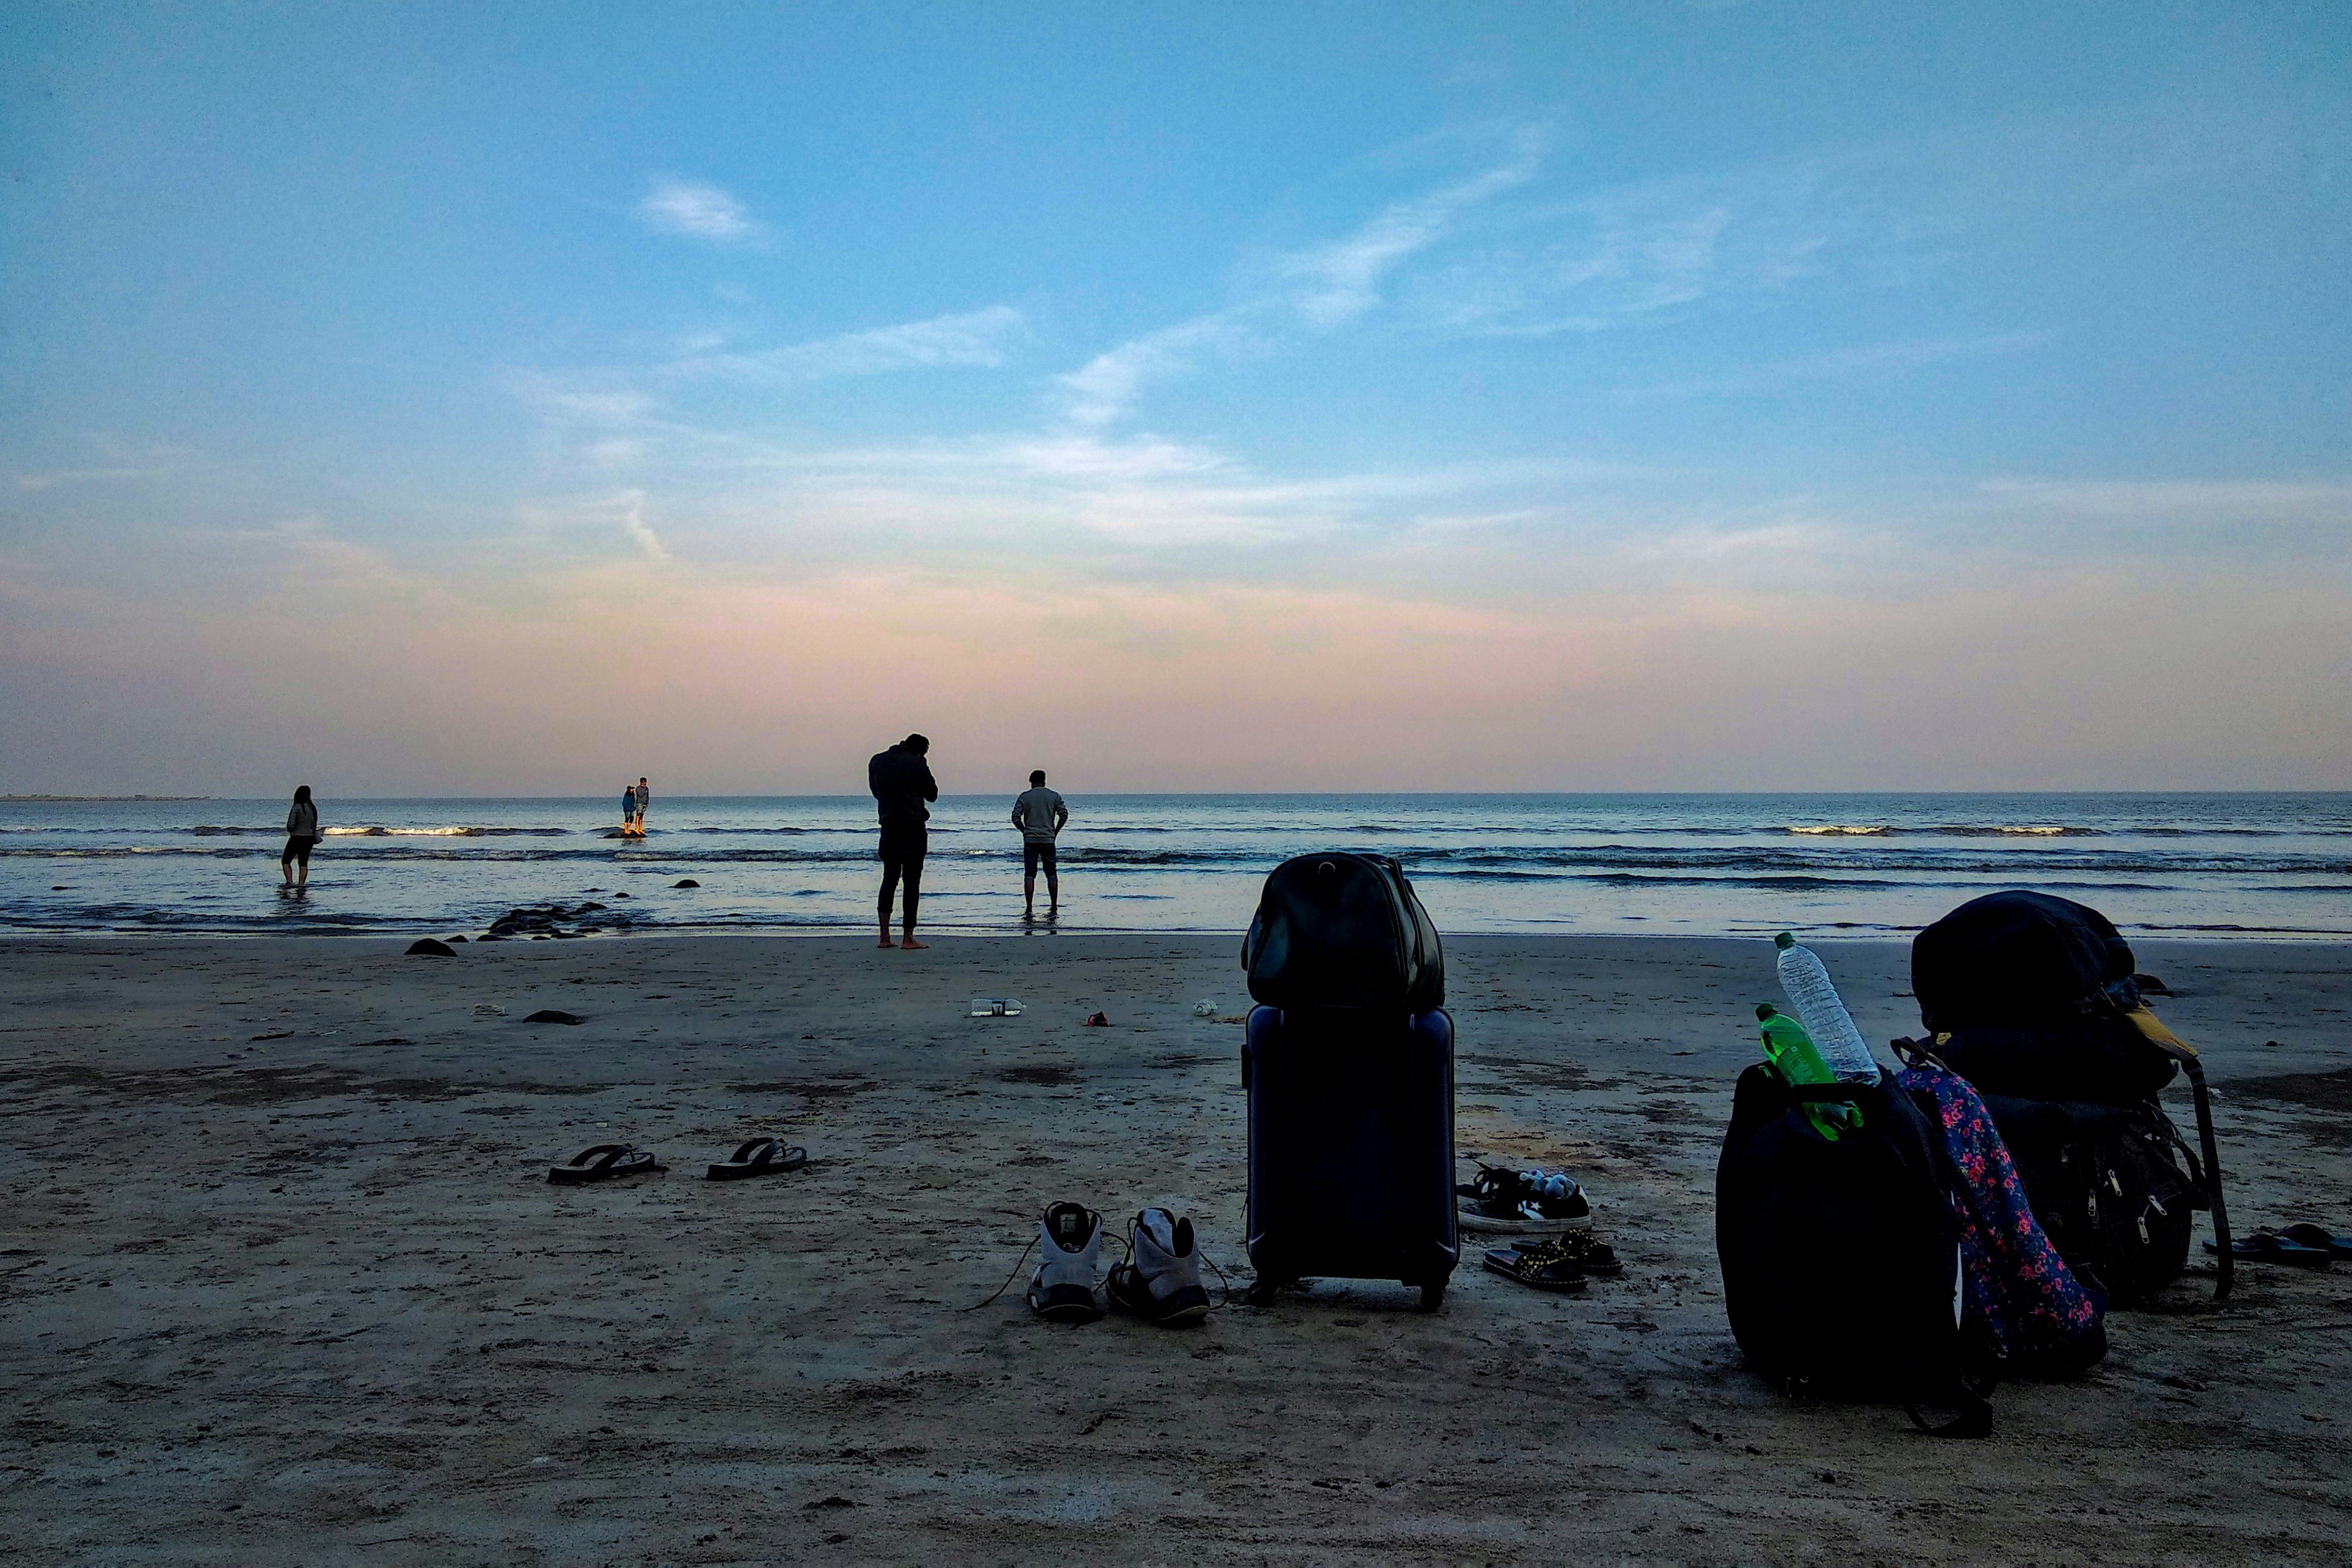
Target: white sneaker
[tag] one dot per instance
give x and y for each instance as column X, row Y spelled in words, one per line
column 1161, row 1281
column 1063, row 1289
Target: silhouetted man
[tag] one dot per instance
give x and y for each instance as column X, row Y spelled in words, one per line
column 901, row 781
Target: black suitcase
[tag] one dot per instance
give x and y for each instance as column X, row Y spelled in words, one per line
column 1350, row 1147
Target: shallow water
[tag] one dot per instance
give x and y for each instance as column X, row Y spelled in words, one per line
column 2204, row 864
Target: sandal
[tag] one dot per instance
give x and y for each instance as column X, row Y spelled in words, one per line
column 759, row 1156
column 1586, row 1251
column 2319, row 1235
column 1523, row 1203
column 2268, row 1246
column 604, row 1163
column 1543, row 1273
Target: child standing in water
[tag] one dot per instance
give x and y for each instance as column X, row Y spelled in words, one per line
column 628, row 807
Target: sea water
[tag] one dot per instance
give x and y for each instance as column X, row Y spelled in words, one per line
column 2203, row 865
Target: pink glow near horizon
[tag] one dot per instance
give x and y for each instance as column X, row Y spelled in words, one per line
column 372, row 682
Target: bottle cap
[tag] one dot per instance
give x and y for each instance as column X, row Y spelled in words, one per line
column 1784, row 940
column 1764, row 1011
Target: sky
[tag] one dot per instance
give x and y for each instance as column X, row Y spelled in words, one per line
column 459, row 400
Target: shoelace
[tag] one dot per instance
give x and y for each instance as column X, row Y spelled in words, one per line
column 1128, row 1260
column 1025, row 1257
column 1198, row 1251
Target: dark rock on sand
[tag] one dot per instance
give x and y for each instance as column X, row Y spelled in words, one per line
column 545, row 919
column 550, row 1015
column 457, row 938
column 429, row 948
column 686, row 882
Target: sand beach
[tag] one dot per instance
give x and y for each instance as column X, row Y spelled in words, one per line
column 282, row 1280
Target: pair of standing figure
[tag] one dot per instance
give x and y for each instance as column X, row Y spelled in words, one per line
column 634, row 800
column 902, row 785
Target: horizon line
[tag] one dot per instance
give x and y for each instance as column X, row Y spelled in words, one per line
column 48, row 798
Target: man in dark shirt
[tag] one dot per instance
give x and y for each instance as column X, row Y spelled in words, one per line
column 901, row 781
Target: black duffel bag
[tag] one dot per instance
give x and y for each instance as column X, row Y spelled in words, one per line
column 2026, row 994
column 1343, row 930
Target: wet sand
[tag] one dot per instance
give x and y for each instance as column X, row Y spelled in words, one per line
column 281, row 1279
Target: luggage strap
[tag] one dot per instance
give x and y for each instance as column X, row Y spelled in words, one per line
column 2152, row 1029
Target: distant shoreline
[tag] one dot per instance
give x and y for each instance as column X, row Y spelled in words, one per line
column 110, row 796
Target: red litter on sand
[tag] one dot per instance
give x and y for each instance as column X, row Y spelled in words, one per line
column 1098, row 1020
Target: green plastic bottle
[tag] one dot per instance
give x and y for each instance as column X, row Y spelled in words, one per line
column 1797, row 1059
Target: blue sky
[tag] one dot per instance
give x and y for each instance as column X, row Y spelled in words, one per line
column 455, row 399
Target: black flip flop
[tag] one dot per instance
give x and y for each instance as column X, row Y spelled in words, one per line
column 604, row 1162
column 2319, row 1235
column 2267, row 1246
column 759, row 1156
column 1546, row 1274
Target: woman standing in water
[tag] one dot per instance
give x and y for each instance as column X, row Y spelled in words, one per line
column 302, row 837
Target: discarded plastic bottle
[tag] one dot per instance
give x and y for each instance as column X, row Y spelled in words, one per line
column 1826, row 1022
column 1794, row 1056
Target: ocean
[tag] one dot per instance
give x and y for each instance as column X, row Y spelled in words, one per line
column 2204, row 865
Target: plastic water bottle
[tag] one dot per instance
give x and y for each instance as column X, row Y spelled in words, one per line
column 1794, row 1056
column 1826, row 1022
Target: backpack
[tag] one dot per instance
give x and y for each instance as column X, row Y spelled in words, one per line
column 1342, row 930
column 1843, row 1272
column 2115, row 1187
column 2033, row 1000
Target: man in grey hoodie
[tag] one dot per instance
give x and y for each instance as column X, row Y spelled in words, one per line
column 1039, row 814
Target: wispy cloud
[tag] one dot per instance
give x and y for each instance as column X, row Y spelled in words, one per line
column 1631, row 255
column 1845, row 365
column 1320, row 288
column 1340, row 281
column 976, row 338
column 2236, row 520
column 591, row 405
column 1104, row 388
column 2225, row 497
column 698, row 211
column 58, row 476
column 632, row 524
